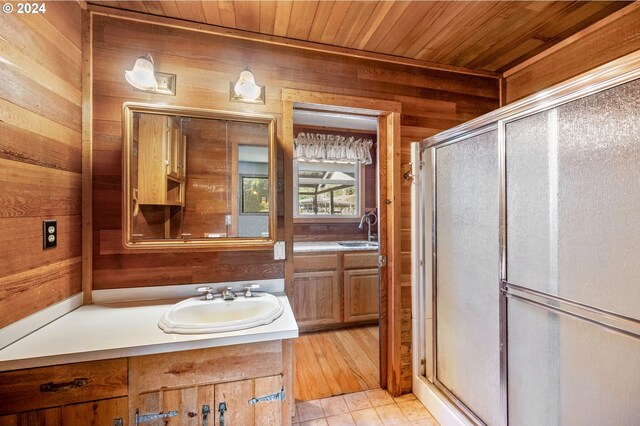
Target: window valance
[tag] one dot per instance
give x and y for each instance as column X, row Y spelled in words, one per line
column 325, row 147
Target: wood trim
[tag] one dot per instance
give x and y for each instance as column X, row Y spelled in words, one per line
column 87, row 155
column 570, row 40
column 281, row 41
column 393, row 282
column 390, row 214
column 382, row 248
column 347, row 103
column 287, row 148
column 235, row 194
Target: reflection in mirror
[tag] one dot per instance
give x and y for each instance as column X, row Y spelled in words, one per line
column 198, row 176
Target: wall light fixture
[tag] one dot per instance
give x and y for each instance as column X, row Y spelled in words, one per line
column 246, row 90
column 143, row 77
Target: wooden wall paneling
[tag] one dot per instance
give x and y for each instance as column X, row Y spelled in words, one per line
column 40, row 158
column 606, row 40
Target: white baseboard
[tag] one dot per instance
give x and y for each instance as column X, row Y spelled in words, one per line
column 19, row 329
column 442, row 410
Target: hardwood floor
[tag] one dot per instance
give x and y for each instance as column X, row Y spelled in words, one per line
column 336, row 362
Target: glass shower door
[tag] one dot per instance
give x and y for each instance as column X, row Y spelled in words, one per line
column 573, row 262
column 467, row 181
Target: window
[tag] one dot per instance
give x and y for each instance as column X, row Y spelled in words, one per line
column 327, row 190
column 255, row 194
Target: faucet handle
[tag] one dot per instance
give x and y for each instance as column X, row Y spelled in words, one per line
column 248, row 289
column 208, row 292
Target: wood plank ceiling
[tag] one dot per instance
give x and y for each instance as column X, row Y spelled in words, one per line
column 482, row 35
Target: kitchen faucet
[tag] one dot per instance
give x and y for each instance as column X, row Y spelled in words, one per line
column 367, row 218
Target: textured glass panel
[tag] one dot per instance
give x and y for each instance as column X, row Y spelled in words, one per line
column 579, row 238
column 564, row 371
column 468, row 273
column 531, row 202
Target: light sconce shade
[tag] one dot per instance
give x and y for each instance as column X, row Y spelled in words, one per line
column 246, row 89
column 143, row 77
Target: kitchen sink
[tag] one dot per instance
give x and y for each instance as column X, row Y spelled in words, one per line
column 358, row 244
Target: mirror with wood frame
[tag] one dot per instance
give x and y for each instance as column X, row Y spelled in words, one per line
column 198, row 178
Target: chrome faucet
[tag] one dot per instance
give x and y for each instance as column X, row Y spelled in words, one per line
column 367, row 218
column 227, row 294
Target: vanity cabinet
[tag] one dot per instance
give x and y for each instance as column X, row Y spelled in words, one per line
column 183, row 388
column 335, row 288
column 196, row 383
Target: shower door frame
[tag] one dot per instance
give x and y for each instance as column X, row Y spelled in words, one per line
column 424, row 219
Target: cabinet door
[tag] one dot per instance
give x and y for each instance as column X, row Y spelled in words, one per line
column 152, row 159
column 316, row 298
column 106, row 412
column 239, row 412
column 189, row 403
column 361, row 297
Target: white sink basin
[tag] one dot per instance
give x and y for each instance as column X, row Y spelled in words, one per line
column 198, row 316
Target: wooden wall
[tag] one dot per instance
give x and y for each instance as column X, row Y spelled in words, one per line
column 341, row 231
column 602, row 42
column 205, row 64
column 40, row 158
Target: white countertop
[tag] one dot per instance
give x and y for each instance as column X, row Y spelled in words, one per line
column 114, row 330
column 322, row 246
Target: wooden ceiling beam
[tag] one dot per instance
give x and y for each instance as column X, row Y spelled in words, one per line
column 281, row 41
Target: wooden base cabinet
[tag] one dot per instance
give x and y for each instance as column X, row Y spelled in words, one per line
column 317, row 298
column 361, row 301
column 247, row 385
column 335, row 288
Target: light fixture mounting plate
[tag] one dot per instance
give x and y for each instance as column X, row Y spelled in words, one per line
column 166, row 84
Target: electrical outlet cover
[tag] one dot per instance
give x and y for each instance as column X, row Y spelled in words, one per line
column 49, row 234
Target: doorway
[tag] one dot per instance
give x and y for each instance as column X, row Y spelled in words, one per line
column 385, row 224
column 335, row 252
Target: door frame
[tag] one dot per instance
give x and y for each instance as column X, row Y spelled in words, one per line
column 389, row 209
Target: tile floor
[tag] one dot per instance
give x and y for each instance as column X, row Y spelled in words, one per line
column 368, row 408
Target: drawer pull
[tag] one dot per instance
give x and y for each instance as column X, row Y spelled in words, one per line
column 55, row 387
column 206, row 410
column 222, row 408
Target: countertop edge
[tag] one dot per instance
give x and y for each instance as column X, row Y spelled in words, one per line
column 48, row 361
